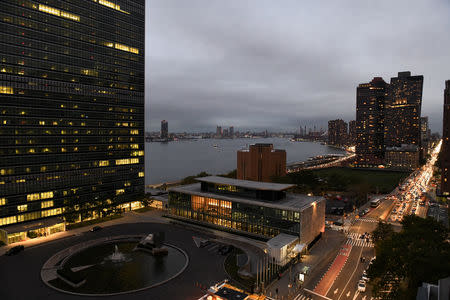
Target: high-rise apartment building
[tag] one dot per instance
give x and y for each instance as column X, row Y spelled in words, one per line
column 370, row 101
column 337, row 132
column 164, row 129
column 219, row 131
column 352, row 132
column 231, row 131
column 71, row 112
column 260, row 163
column 424, row 136
column 402, row 117
column 445, row 150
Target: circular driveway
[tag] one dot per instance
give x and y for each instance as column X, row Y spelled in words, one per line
column 20, row 274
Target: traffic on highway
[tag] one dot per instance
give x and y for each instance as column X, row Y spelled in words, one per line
column 409, row 197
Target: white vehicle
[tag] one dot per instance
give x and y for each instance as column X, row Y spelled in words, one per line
column 361, row 286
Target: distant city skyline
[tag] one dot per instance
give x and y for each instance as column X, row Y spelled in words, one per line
column 261, row 65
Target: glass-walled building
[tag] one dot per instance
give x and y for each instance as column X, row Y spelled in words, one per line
column 255, row 208
column 71, row 111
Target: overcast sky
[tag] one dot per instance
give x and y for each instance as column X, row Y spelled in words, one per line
column 276, row 64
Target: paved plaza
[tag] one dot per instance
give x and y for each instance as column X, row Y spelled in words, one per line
column 20, row 274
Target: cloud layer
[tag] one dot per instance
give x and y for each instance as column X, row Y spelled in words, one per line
column 277, row 64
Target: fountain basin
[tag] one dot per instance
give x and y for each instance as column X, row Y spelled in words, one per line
column 109, row 271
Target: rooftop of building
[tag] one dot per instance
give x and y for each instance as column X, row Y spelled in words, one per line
column 404, row 147
column 253, row 185
column 262, row 145
column 296, row 202
column 281, row 240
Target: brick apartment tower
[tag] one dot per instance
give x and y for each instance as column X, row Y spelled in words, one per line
column 260, row 162
column 445, row 150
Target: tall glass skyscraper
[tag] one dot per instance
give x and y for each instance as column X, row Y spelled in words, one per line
column 71, row 111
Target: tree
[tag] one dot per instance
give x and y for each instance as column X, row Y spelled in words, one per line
column 191, row 179
column 383, row 231
column 419, row 253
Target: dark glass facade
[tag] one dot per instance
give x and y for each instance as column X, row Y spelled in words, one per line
column 370, row 101
column 251, row 218
column 72, row 107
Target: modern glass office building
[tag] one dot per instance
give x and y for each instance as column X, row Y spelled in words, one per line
column 71, row 111
column 255, row 208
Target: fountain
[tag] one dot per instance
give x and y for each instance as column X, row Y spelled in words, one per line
column 93, row 269
column 117, row 256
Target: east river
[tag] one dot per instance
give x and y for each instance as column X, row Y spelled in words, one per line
column 168, row 162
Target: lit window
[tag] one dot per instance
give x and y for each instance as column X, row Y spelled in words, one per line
column 59, row 13
column 22, row 208
column 141, row 174
column 89, row 72
column 2, row 201
column 134, row 131
column 103, row 163
column 127, row 161
column 120, row 191
column 46, row 204
column 33, row 197
column 111, row 5
column 6, row 90
column 122, row 47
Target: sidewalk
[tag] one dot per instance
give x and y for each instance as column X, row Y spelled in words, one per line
column 322, row 250
column 128, row 217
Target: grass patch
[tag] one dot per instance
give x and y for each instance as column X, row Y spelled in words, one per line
column 92, row 222
column 232, row 269
column 343, row 179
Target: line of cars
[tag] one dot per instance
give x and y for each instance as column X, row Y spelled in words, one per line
column 364, row 278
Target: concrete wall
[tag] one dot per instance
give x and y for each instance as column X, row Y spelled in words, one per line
column 312, row 222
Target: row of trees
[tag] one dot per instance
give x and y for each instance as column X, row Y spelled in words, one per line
column 419, row 253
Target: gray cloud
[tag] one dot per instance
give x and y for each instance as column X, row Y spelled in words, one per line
column 275, row 64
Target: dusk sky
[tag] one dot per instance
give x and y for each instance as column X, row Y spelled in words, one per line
column 256, row 64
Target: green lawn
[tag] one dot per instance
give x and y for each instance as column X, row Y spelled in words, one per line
column 376, row 180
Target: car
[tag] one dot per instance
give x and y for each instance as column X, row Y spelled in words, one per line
column 364, row 277
column 361, row 286
column 96, row 228
column 15, row 250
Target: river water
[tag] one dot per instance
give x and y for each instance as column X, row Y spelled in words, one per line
column 167, row 162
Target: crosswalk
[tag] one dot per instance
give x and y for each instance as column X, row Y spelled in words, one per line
column 368, row 220
column 302, row 297
column 359, row 243
column 354, row 240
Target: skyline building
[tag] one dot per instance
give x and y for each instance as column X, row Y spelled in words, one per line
column 337, row 132
column 164, row 129
column 72, row 112
column 260, row 163
column 219, row 131
column 231, row 131
column 352, row 132
column 402, row 132
column 403, row 109
column 370, row 101
column 445, row 150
